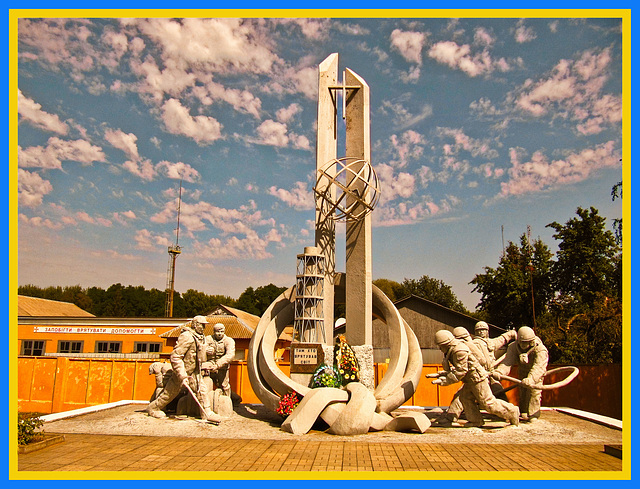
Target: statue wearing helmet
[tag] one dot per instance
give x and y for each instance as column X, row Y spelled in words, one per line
column 221, row 349
column 186, row 359
column 456, row 408
column 531, row 356
column 493, row 346
column 460, row 365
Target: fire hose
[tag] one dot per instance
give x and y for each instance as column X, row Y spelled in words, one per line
column 574, row 373
column 556, row 385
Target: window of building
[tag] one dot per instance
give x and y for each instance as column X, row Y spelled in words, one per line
column 140, row 347
column 32, row 347
column 70, row 346
column 108, row 346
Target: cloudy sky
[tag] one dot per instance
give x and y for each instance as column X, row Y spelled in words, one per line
column 479, row 129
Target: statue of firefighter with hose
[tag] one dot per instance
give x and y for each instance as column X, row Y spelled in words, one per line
column 532, row 358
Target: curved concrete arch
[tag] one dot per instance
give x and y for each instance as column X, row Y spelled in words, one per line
column 412, row 376
column 255, row 363
column 269, row 382
column 397, row 343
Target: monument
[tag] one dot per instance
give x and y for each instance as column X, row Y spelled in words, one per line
column 346, row 189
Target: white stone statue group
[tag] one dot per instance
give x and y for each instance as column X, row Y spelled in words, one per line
column 473, row 362
column 197, row 364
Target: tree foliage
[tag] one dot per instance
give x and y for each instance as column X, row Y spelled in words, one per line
column 257, row 301
column 585, row 262
column 392, row 289
column 130, row 301
column 577, row 297
column 616, row 192
column 426, row 287
column 518, row 287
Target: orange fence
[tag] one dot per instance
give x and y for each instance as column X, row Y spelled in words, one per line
column 55, row 384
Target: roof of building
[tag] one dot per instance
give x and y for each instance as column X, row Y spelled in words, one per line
column 34, row 306
column 238, row 324
column 233, row 327
column 247, row 319
column 413, row 297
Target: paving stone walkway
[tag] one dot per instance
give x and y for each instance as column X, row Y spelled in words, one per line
column 83, row 452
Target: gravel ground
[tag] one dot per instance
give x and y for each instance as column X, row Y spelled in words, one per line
column 253, row 421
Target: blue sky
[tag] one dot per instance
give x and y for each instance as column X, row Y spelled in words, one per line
column 477, row 125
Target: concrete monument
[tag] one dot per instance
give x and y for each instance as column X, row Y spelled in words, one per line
column 347, row 190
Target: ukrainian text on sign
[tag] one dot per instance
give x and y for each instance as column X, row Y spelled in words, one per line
column 92, row 330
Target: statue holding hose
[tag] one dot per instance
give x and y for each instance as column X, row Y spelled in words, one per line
column 531, row 356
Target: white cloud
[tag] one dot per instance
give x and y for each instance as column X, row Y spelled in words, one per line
column 220, row 45
column 403, row 118
column 409, row 145
column 573, row 89
column 460, row 57
column 540, row 174
column 178, row 171
column 285, row 114
column 142, row 168
column 315, row 29
column 240, row 100
column 404, row 213
column 38, row 221
column 251, row 247
column 124, row 217
column 32, row 188
column 523, row 33
column 463, row 142
column 273, row 133
column 123, row 141
column 409, row 44
column 147, row 241
column 32, row 112
column 101, row 221
column 483, row 37
column 238, row 229
column 57, row 151
column 202, row 129
column 298, row 197
column 394, row 185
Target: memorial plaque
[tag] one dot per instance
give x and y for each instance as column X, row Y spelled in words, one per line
column 305, row 357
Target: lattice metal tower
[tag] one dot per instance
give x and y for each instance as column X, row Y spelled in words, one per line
column 309, row 308
column 174, row 251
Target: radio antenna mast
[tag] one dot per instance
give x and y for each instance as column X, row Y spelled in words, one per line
column 174, row 251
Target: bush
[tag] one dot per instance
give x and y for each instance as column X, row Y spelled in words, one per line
column 28, row 424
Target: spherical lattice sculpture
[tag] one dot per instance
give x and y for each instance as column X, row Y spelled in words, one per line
column 356, row 189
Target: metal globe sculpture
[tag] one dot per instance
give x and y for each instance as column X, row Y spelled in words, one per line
column 356, row 189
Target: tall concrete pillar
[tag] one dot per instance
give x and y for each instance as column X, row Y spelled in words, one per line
column 358, row 235
column 326, row 151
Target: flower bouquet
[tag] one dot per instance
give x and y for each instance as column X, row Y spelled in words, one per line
column 346, row 361
column 288, row 403
column 325, row 376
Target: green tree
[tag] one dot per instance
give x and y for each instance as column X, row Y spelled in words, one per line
column 591, row 336
column 586, row 259
column 519, row 289
column 616, row 192
column 392, row 289
column 434, row 290
column 200, row 303
column 257, row 301
column 247, row 301
column 114, row 302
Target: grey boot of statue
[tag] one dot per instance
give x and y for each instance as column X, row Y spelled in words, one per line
column 153, row 411
column 514, row 418
column 211, row 417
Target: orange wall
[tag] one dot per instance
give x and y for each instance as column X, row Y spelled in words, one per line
column 26, row 332
column 56, row 384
